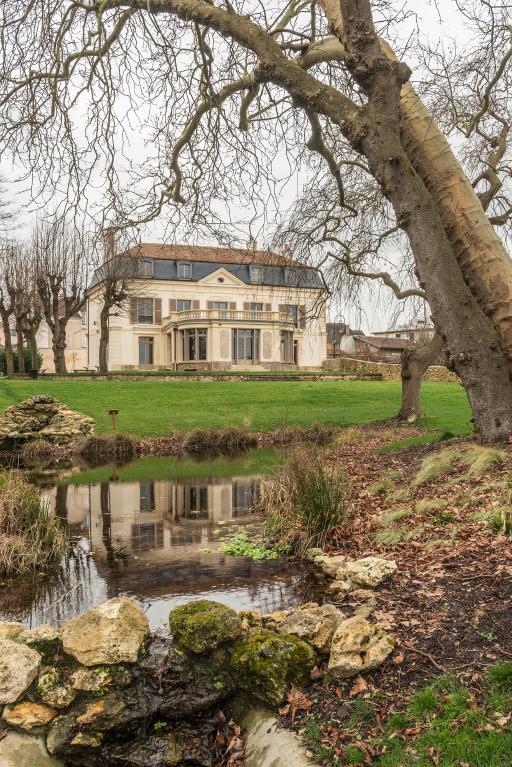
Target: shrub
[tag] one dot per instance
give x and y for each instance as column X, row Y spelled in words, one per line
column 116, row 448
column 28, row 361
column 31, row 536
column 307, row 502
column 228, row 441
column 37, row 452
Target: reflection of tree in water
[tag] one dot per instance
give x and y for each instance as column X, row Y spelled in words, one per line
column 74, row 588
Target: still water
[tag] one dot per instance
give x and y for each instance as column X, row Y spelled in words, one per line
column 151, row 530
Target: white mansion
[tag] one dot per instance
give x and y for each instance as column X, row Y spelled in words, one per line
column 210, row 308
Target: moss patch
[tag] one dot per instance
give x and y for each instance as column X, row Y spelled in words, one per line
column 267, row 664
column 201, row 626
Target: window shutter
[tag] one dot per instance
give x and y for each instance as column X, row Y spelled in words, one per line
column 281, row 308
column 268, row 307
column 158, row 311
column 172, row 305
column 133, row 310
column 301, row 316
column 232, row 306
column 247, row 307
column 209, row 304
column 195, row 305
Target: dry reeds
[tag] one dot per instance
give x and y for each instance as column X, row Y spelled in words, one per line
column 314, row 434
column 306, row 502
column 228, row 441
column 31, row 537
column 109, row 448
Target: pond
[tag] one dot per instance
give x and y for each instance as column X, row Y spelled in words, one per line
column 151, row 530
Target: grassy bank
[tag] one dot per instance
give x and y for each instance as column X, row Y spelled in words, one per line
column 151, row 408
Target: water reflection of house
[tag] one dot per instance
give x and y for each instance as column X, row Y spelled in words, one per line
column 156, row 515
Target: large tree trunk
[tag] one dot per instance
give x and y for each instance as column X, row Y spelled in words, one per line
column 59, row 349
column 415, row 363
column 20, row 347
column 32, row 340
column 470, row 338
column 9, row 354
column 104, row 338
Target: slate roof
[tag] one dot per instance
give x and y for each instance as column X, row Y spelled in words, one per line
column 277, row 269
column 381, row 342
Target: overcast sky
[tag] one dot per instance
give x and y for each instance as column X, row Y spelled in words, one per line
column 373, row 311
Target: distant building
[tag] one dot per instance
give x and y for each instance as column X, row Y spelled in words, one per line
column 381, row 347
column 76, row 344
column 417, row 333
column 210, row 308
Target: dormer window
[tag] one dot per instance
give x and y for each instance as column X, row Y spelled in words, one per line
column 184, row 270
column 291, row 276
column 147, row 268
column 256, row 274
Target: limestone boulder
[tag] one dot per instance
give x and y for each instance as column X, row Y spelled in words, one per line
column 329, row 565
column 28, row 715
column 19, row 666
column 370, row 571
column 273, row 620
column 267, row 665
column 10, row 629
column 44, row 638
column 111, row 633
column 21, row 750
column 42, row 417
column 357, row 646
column 54, row 690
column 204, row 625
column 315, row 625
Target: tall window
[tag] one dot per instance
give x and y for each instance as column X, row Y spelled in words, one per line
column 183, row 306
column 147, row 495
column 222, row 305
column 147, row 269
column 195, row 344
column 256, row 307
column 145, row 311
column 184, row 270
column 291, row 276
column 292, row 310
column 286, row 346
column 146, row 350
column 256, row 274
column 246, row 345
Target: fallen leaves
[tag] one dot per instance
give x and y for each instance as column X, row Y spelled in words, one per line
column 359, row 686
column 297, row 701
column 229, row 743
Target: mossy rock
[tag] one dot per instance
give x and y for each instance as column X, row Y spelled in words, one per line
column 204, row 625
column 267, row 665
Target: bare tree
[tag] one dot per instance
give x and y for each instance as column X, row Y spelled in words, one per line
column 60, row 253
column 6, row 307
column 119, row 277
column 229, row 84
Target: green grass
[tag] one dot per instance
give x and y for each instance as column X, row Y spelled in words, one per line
column 152, row 407
column 252, row 462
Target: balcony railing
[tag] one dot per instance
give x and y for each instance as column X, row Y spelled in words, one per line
column 229, row 315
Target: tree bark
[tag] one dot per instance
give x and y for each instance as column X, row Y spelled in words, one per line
column 9, row 354
column 415, row 363
column 32, row 340
column 20, row 347
column 104, row 338
column 59, row 349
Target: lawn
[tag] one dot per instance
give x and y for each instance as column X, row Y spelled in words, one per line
column 151, row 407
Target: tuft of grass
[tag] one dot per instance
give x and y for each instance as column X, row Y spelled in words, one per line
column 382, row 487
column 349, row 436
column 306, row 502
column 500, row 520
column 31, row 537
column 499, row 676
column 435, row 465
column 430, row 504
column 482, row 460
column 423, row 703
column 114, row 448
column 394, row 516
column 314, row 739
column 395, row 535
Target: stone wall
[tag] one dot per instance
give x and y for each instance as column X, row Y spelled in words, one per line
column 389, row 371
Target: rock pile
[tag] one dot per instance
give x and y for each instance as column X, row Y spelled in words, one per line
column 42, row 417
column 366, row 573
column 103, row 691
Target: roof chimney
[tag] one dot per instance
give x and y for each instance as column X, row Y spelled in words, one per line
column 109, row 244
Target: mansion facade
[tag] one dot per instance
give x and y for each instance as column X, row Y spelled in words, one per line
column 209, row 308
